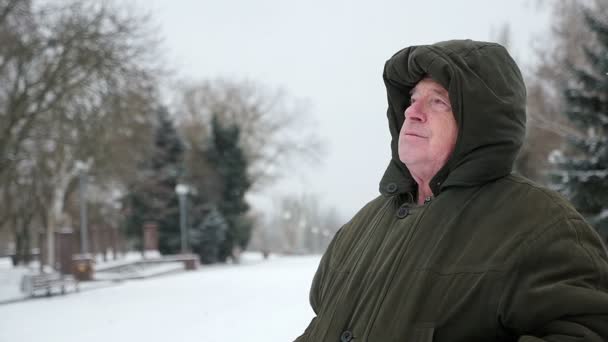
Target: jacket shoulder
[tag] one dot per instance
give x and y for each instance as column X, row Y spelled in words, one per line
column 540, row 209
column 531, row 193
column 368, row 211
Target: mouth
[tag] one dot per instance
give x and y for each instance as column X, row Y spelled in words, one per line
column 411, row 134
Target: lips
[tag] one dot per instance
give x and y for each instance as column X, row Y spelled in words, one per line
column 414, row 134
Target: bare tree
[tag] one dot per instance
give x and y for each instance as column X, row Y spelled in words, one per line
column 562, row 48
column 275, row 129
column 78, row 84
column 299, row 224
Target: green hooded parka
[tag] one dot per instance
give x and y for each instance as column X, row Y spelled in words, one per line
column 493, row 257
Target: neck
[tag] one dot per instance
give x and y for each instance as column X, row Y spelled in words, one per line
column 424, row 193
column 424, row 190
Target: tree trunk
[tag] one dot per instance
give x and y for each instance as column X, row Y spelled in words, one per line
column 50, row 240
column 55, row 212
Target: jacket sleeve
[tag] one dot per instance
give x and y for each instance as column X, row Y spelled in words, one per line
column 558, row 289
column 318, row 283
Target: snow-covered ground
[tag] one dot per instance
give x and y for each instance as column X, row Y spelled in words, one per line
column 255, row 301
column 10, row 281
column 10, row 277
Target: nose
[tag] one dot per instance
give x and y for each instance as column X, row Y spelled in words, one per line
column 416, row 112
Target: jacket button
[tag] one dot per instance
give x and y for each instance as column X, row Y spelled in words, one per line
column 346, row 336
column 391, row 188
column 403, row 212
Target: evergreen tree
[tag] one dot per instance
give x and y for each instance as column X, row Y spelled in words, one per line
column 229, row 162
column 581, row 172
column 209, row 236
column 153, row 197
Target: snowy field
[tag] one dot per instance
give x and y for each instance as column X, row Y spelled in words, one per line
column 255, row 301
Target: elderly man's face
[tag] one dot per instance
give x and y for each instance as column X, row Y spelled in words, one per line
column 429, row 132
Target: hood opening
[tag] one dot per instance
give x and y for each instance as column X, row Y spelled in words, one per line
column 488, row 98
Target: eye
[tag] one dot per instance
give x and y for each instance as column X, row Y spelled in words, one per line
column 439, row 101
column 443, row 104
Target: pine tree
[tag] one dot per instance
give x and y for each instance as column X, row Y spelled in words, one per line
column 581, row 172
column 207, row 239
column 228, row 160
column 153, row 197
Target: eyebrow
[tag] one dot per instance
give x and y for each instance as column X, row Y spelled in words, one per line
column 436, row 91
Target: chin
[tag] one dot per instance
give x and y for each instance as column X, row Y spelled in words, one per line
column 408, row 159
column 411, row 159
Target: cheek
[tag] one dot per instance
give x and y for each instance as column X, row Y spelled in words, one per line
column 452, row 128
column 444, row 135
column 451, row 134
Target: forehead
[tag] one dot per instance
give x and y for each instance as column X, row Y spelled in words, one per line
column 428, row 84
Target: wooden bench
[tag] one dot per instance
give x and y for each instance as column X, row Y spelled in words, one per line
column 191, row 261
column 31, row 284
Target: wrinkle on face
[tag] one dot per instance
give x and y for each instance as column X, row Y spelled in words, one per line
column 428, row 135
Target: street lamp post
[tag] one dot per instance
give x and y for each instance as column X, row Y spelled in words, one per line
column 82, row 264
column 82, row 169
column 326, row 237
column 290, row 238
column 303, row 236
column 316, row 236
column 182, row 191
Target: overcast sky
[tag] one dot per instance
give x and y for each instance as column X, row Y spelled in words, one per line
column 330, row 53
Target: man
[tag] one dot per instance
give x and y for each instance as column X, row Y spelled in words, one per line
column 457, row 248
